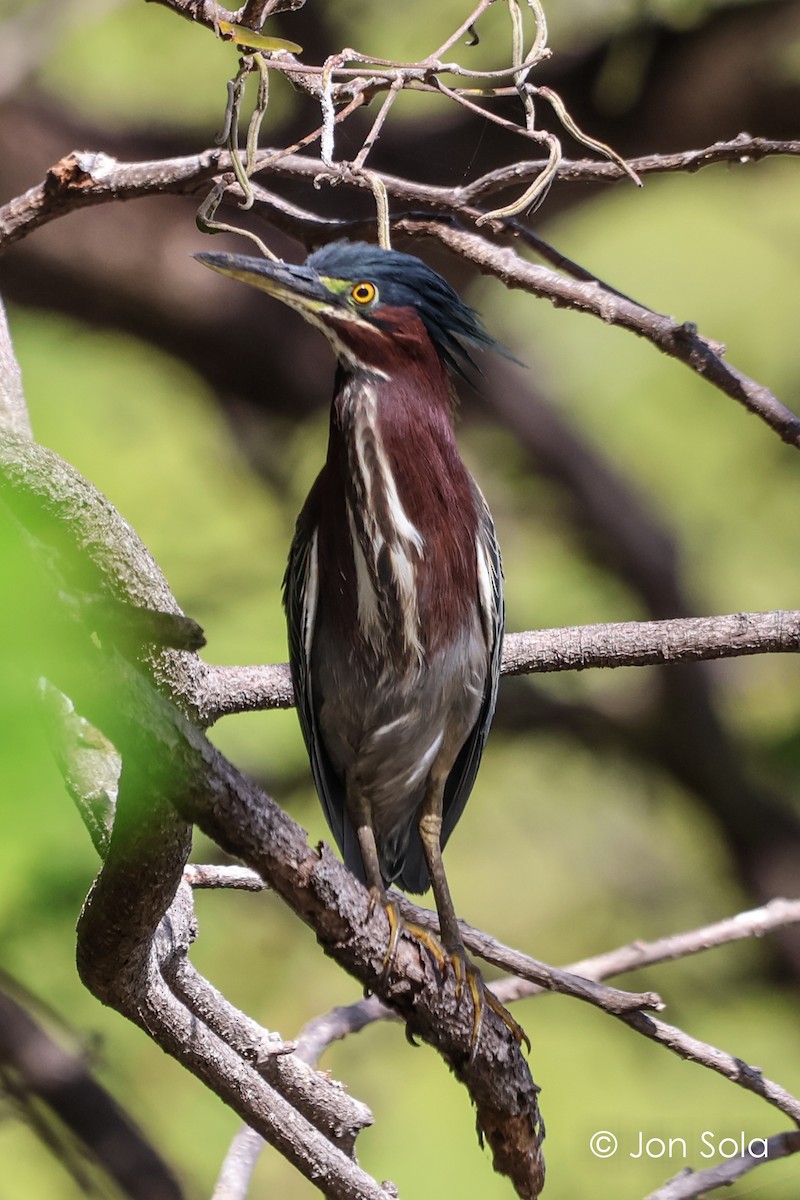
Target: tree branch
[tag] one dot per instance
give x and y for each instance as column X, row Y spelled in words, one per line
column 134, row 927
column 741, row 149
column 778, row 914
column 691, row 1049
column 87, row 178
column 341, row 1022
column 319, row 1033
column 214, row 875
column 233, row 1181
column 321, row 1100
column 83, row 179
column 676, row 339
column 755, row 923
column 690, row 1184
column 306, row 1115
column 223, row 690
column 45, row 1076
column 13, row 409
column 170, row 768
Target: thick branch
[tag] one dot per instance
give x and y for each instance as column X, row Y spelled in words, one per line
column 90, row 764
column 244, row 821
column 244, row 1090
column 344, row 1021
column 87, row 178
column 131, row 913
column 170, row 767
column 305, row 1114
column 322, row 1100
column 317, row 1098
column 540, row 977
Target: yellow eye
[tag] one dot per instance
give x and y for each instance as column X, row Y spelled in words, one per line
column 364, row 293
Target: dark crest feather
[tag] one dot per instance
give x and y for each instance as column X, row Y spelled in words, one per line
column 405, row 281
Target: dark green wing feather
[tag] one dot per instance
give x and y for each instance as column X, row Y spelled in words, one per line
column 414, row 875
column 300, row 597
column 490, row 570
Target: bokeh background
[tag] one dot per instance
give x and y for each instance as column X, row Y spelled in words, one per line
column 611, row 805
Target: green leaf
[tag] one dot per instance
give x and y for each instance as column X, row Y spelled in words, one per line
column 243, row 36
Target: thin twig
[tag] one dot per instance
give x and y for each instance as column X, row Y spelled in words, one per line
column 741, row 149
column 377, row 126
column 679, row 340
column 233, row 1181
column 727, row 1065
column 691, row 1185
column 321, row 1032
column 463, row 29
column 14, row 416
column 754, row 923
column 216, row 875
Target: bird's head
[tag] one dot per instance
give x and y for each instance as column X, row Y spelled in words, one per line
column 373, row 305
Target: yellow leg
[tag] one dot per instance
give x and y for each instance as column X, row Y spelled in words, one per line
column 451, row 950
column 430, row 830
column 399, row 926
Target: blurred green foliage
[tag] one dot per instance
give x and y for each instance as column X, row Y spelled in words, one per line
column 177, row 71
column 561, row 852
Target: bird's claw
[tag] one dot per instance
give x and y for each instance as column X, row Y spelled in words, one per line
column 512, row 1025
column 482, row 998
column 463, row 972
column 399, row 926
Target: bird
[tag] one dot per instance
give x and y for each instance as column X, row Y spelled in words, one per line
column 394, row 586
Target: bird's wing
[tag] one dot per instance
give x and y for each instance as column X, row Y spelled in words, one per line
column 300, row 595
column 490, row 597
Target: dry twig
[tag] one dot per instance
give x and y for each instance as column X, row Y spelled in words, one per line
column 86, row 179
column 690, row 1184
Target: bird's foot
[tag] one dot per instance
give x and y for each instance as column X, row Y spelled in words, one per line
column 482, row 998
column 456, row 960
column 398, row 926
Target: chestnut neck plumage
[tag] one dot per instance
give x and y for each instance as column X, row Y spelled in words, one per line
column 402, row 543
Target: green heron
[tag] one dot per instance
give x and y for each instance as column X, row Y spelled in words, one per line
column 393, row 591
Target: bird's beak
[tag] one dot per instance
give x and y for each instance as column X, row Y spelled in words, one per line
column 299, row 287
